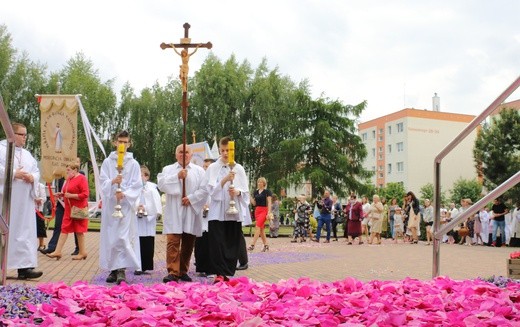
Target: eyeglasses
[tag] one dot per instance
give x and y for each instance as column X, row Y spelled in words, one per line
column 21, row 134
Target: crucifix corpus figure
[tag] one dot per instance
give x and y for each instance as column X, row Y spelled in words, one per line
column 185, row 44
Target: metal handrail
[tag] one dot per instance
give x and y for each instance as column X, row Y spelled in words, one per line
column 6, row 201
column 512, row 181
column 437, row 169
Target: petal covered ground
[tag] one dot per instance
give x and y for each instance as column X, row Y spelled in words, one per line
column 302, row 302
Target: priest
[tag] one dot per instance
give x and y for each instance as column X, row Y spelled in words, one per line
column 22, row 247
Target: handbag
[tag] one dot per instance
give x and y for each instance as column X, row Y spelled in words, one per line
column 463, row 231
column 77, row 212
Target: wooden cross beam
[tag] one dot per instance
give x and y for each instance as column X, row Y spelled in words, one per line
column 185, row 41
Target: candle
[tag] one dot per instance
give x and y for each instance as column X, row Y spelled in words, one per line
column 231, row 152
column 120, row 154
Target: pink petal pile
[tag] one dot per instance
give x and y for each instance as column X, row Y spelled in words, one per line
column 302, row 302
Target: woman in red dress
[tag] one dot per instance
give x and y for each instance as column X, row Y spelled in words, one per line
column 75, row 192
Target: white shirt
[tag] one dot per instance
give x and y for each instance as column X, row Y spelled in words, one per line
column 220, row 195
column 119, row 241
column 178, row 219
column 150, row 198
column 22, row 249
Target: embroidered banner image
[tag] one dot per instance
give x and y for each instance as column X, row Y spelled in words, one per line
column 59, row 134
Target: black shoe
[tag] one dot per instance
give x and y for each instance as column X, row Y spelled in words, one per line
column 170, row 278
column 185, row 278
column 29, row 273
column 76, row 252
column 46, row 251
column 112, row 277
column 121, row 276
column 242, row 267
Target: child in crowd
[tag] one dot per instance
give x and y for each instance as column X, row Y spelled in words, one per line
column 149, row 206
column 398, row 225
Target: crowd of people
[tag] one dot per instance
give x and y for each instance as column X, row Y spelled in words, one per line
column 204, row 211
column 369, row 222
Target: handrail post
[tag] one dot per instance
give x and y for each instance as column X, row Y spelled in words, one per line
column 437, row 167
column 436, row 221
column 6, row 201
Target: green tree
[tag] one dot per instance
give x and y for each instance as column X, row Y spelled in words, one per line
column 217, row 99
column 155, row 124
column 7, row 54
column 270, row 112
column 497, row 151
column 465, row 188
column 20, row 80
column 393, row 190
column 255, row 107
column 427, row 193
column 328, row 152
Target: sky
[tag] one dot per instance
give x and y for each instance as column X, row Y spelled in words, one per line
column 393, row 54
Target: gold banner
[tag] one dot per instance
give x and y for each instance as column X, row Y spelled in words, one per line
column 59, row 134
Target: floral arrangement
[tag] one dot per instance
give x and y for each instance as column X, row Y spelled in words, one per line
column 514, row 255
column 242, row 302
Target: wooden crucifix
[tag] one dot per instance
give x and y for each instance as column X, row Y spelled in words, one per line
column 185, row 44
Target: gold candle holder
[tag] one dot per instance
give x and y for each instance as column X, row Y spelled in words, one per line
column 120, row 159
column 117, row 209
column 232, row 210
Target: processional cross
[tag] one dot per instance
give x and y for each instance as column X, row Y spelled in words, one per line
column 185, row 44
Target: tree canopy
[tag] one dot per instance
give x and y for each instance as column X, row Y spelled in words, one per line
column 497, row 151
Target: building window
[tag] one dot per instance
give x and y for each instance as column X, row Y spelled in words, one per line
column 389, row 148
column 364, row 136
column 373, row 152
column 389, row 130
column 380, row 137
column 380, row 157
column 389, row 169
column 380, row 131
column 374, row 134
column 374, row 168
column 400, row 147
column 400, row 167
column 380, row 149
column 380, row 175
column 400, row 127
column 380, row 168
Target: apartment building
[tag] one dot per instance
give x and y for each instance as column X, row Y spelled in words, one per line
column 402, row 145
